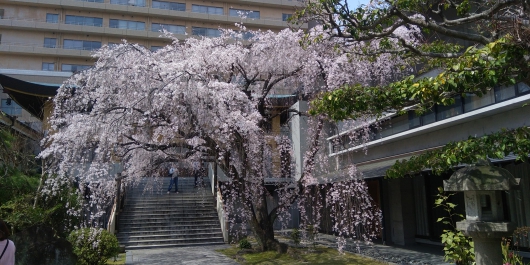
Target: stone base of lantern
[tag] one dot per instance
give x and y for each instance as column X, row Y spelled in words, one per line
column 487, row 239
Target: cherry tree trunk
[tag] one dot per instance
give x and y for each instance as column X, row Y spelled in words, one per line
column 262, row 225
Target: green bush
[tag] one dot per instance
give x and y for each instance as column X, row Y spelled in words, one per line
column 93, row 246
column 458, row 248
column 295, row 236
column 244, row 244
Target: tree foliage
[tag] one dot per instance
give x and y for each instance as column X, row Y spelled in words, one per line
column 477, row 71
column 496, row 145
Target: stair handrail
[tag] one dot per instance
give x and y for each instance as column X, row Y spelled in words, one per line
column 220, row 207
column 111, row 224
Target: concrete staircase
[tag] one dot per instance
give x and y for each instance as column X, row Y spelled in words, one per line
column 153, row 219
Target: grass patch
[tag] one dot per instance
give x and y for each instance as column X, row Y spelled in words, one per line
column 318, row 255
column 119, row 261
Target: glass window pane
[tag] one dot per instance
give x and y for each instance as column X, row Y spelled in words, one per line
column 50, row 42
column 473, row 102
column 199, row 9
column 69, row 19
column 285, row 17
column 10, row 107
column 156, row 27
column 122, row 24
column 414, row 119
column 504, row 93
column 452, row 110
column 52, row 18
column 233, row 12
column 522, row 88
column 198, row 31
column 48, row 66
column 113, row 23
column 428, row 117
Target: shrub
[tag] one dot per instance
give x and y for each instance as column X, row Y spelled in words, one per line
column 244, row 244
column 458, row 248
column 295, row 236
column 93, row 246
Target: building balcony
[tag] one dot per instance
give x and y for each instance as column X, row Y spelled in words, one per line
column 39, row 49
column 264, row 22
column 39, row 25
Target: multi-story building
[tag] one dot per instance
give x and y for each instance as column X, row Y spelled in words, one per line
column 44, row 41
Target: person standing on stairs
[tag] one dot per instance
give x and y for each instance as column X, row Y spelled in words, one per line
column 174, row 179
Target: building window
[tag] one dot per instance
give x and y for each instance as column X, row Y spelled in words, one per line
column 445, row 112
column 52, row 18
column 473, row 102
column 522, row 89
column 212, row 10
column 93, row 1
column 169, row 5
column 241, row 12
column 176, row 29
column 243, row 35
column 285, row 17
column 504, row 93
column 10, row 107
column 85, row 21
column 48, row 66
column 1, row 13
column 126, row 24
column 73, row 67
column 128, row 2
column 50, row 42
column 205, row 32
column 155, row 48
column 81, row 45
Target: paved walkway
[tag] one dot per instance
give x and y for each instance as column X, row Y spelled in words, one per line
column 199, row 255
column 419, row 254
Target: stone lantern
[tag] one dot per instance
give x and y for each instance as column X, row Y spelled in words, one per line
column 483, row 185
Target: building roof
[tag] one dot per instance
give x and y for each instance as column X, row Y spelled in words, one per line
column 31, row 96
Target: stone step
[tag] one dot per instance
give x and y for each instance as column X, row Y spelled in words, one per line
column 156, row 228
column 177, row 198
column 170, row 214
column 205, row 229
column 169, row 208
column 172, row 241
column 127, row 238
column 173, row 219
column 153, row 218
column 206, row 243
column 123, row 224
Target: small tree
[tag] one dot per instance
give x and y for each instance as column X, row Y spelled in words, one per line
column 93, row 246
column 458, row 248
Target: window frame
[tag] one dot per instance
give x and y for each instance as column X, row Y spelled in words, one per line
column 48, row 66
column 48, row 45
column 52, row 18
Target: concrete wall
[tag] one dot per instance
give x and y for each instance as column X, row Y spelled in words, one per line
column 298, row 126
